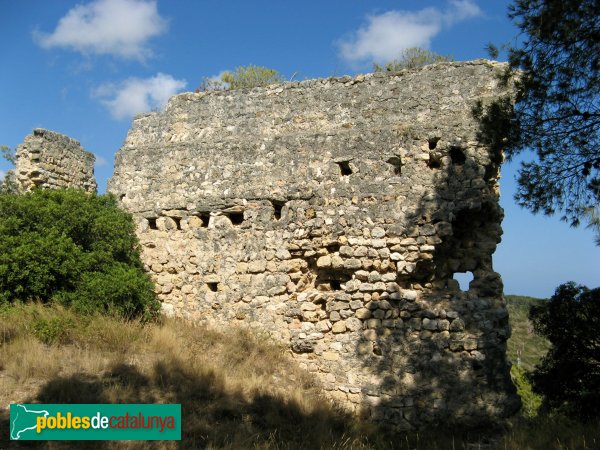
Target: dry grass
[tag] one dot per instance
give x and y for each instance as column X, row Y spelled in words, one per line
column 238, row 390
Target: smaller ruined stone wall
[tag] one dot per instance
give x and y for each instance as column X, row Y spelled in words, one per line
column 53, row 160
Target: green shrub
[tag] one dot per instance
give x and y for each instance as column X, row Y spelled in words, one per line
column 248, row 77
column 53, row 330
column 412, row 58
column 75, row 248
column 530, row 400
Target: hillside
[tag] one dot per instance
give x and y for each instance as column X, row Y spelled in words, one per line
column 524, row 343
column 237, row 389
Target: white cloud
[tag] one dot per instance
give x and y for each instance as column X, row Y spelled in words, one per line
column 136, row 95
column 2, row 174
column 384, row 36
column 100, row 161
column 115, row 27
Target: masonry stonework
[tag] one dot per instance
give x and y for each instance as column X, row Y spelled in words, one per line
column 52, row 160
column 333, row 214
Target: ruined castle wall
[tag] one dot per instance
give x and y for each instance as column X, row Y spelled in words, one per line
column 52, row 160
column 334, row 214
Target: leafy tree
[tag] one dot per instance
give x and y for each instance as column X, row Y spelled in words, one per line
column 74, row 248
column 557, row 112
column 569, row 375
column 412, row 58
column 9, row 183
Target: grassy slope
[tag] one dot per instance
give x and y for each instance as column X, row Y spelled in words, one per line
column 531, row 346
column 237, row 390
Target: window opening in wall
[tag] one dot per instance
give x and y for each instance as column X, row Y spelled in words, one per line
column 177, row 221
column 236, row 217
column 433, row 143
column 464, row 279
column 213, row 286
column 152, row 223
column 396, row 163
column 457, row 155
column 435, row 161
column 330, row 280
column 332, row 248
column 345, row 168
column 205, row 219
column 121, row 197
column 277, row 207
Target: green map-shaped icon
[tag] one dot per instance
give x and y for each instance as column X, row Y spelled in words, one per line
column 22, row 420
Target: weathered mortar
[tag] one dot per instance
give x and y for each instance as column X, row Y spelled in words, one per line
column 333, row 214
column 52, row 160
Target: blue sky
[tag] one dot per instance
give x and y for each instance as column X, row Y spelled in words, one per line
column 83, row 68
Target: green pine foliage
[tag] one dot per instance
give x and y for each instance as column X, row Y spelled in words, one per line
column 74, row 248
column 557, row 112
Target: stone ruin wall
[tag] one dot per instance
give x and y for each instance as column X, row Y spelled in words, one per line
column 52, row 160
column 333, row 214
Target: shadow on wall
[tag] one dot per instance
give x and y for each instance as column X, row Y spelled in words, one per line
column 440, row 352
column 212, row 414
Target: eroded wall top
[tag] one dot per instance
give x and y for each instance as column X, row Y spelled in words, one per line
column 294, row 140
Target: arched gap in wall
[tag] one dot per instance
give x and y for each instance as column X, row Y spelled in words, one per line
column 177, row 221
column 277, row 207
column 213, row 286
column 205, row 217
column 464, row 279
column 152, row 223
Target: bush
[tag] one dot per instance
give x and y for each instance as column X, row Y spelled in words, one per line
column 53, row 330
column 530, row 401
column 569, row 375
column 412, row 58
column 248, row 77
column 74, row 248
